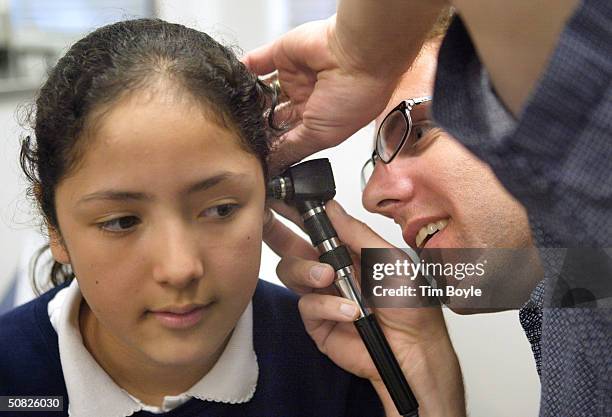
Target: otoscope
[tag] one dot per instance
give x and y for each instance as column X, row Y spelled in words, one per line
column 307, row 186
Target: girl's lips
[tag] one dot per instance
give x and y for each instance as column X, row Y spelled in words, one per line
column 179, row 320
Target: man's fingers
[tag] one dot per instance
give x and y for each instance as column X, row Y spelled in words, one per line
column 286, row 115
column 354, row 233
column 317, row 308
column 283, row 241
column 293, row 146
column 288, row 212
column 303, row 276
column 298, row 268
column 260, row 60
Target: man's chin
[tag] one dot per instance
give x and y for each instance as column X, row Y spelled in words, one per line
column 466, row 310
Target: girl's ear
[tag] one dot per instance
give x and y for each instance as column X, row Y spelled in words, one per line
column 58, row 249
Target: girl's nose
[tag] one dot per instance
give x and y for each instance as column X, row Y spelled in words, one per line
column 178, row 261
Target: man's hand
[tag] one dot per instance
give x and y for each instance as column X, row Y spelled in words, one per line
column 418, row 336
column 329, row 98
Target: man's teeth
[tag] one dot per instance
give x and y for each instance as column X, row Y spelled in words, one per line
column 429, row 230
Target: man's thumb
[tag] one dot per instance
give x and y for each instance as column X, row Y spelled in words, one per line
column 354, row 233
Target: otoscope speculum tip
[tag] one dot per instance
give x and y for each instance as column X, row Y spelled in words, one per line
column 280, row 188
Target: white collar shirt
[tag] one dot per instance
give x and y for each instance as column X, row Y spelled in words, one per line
column 91, row 391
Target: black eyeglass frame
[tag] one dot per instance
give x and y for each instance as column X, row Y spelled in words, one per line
column 404, row 107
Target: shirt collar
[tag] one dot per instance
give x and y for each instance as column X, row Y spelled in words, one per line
column 91, row 391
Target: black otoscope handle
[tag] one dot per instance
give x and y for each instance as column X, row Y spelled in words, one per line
column 388, row 368
column 319, row 229
column 307, row 186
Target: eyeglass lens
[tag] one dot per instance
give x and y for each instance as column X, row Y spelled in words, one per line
column 418, row 132
column 391, row 133
column 366, row 172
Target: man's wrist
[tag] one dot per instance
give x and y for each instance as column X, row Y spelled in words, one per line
column 385, row 399
column 434, row 375
column 382, row 37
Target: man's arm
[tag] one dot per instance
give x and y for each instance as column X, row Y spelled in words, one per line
column 383, row 37
column 337, row 76
column 515, row 40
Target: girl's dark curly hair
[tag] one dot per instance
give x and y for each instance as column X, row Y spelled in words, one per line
column 114, row 61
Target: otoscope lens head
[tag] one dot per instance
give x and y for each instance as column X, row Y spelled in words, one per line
column 311, row 180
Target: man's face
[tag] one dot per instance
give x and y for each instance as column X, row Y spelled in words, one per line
column 441, row 183
column 440, row 194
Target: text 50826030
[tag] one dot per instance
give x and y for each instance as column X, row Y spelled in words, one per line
column 31, row 403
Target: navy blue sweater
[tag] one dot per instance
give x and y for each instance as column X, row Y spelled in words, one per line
column 295, row 379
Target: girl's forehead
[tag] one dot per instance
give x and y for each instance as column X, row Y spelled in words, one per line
column 162, row 167
column 144, row 139
column 149, row 120
column 155, row 98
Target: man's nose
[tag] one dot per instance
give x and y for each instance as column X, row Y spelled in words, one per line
column 388, row 186
column 178, row 261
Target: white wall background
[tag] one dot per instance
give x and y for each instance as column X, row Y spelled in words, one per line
column 499, row 373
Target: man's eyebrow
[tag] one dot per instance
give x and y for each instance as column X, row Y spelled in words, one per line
column 119, row 195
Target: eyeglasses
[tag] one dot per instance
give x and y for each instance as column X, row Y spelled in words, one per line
column 393, row 133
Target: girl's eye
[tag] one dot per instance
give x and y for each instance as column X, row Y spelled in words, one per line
column 220, row 211
column 120, row 224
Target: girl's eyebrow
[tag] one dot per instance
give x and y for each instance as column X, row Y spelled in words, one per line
column 210, row 182
column 199, row 186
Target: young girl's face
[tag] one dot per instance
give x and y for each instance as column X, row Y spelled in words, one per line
column 161, row 220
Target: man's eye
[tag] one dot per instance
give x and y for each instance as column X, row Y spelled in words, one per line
column 220, row 211
column 421, row 130
column 120, row 224
column 421, row 135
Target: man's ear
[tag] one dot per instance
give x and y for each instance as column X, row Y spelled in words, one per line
column 58, row 249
